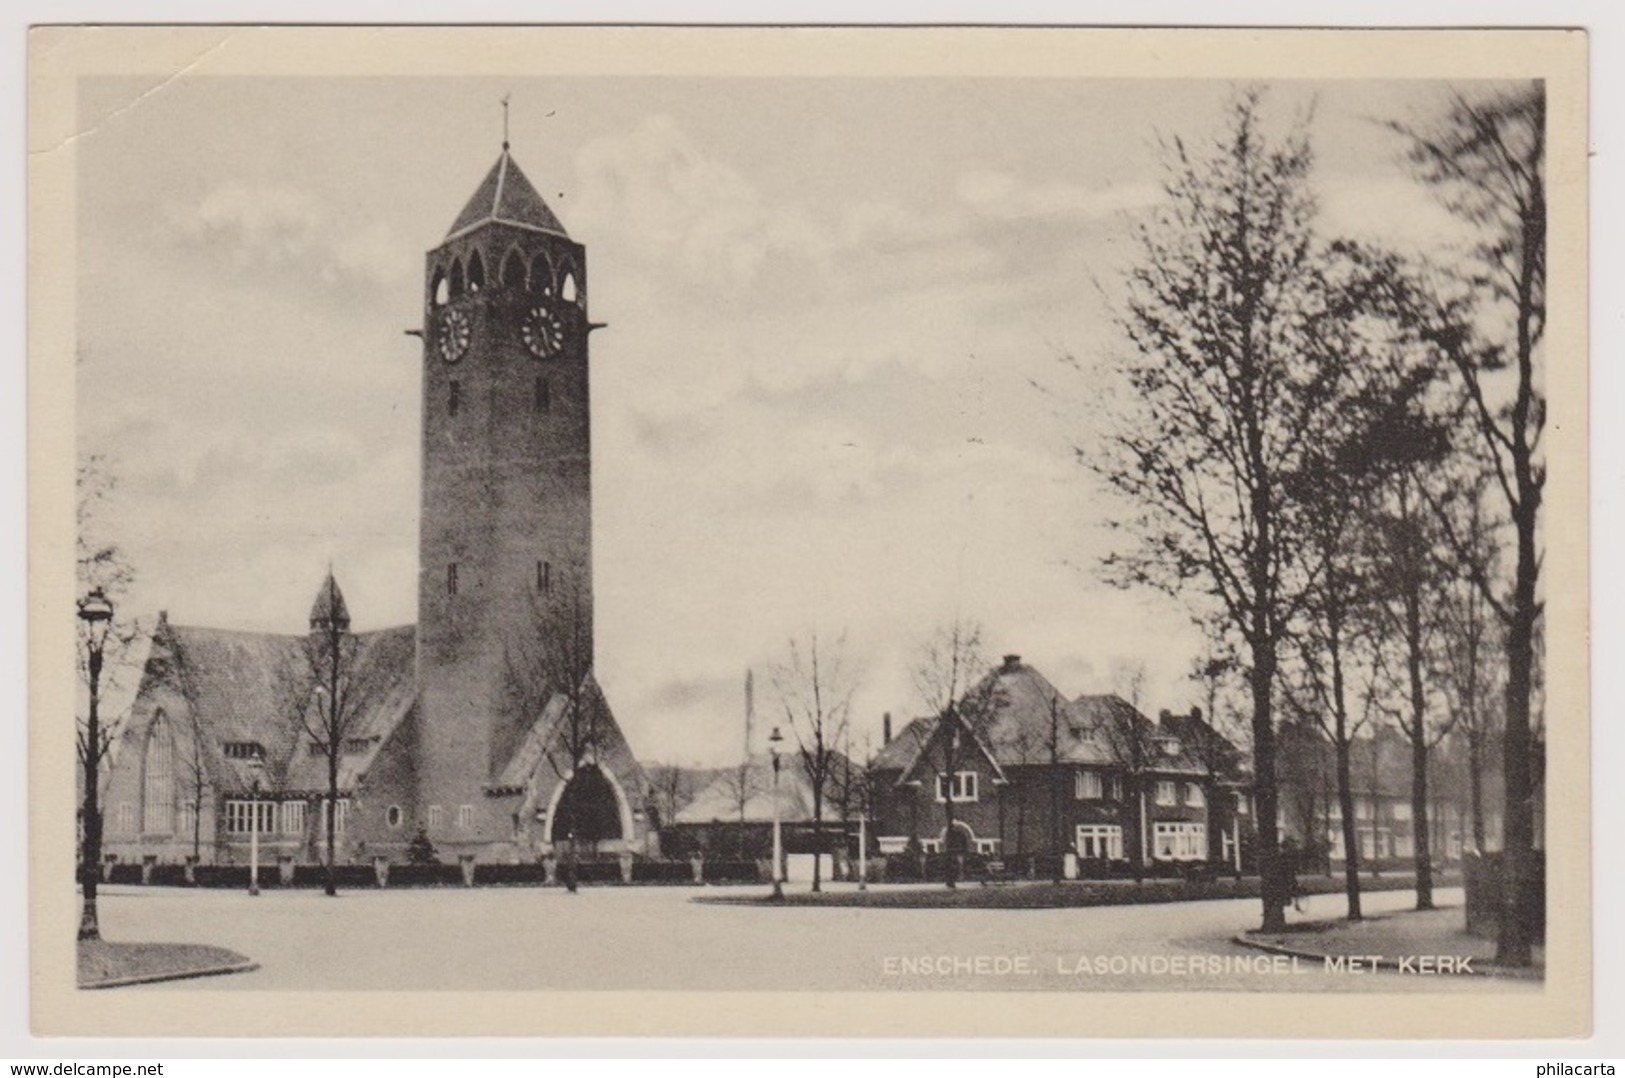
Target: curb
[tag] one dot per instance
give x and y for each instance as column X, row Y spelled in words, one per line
column 173, row 975
column 1383, row 962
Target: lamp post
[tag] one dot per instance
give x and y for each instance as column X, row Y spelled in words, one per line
column 773, row 743
column 863, row 850
column 254, row 837
column 96, row 613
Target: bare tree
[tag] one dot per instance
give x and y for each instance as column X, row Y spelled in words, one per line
column 330, row 714
column 671, row 787
column 953, row 682
column 1230, row 388
column 555, row 661
column 104, row 574
column 1485, row 161
column 814, row 687
column 1132, row 741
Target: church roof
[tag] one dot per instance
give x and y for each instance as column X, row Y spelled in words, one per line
column 248, row 688
column 505, row 196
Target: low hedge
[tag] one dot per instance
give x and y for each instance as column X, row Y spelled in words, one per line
column 530, row 874
column 662, row 872
column 425, row 876
column 350, row 876
column 731, row 872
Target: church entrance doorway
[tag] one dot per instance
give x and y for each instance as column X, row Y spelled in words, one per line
column 588, row 815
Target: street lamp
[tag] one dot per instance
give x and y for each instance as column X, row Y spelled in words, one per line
column 96, row 612
column 773, row 743
column 254, row 833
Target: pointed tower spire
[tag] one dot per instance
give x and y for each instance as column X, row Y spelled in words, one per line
column 505, row 122
column 329, row 611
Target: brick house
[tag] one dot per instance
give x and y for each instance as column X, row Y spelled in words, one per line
column 1037, row 774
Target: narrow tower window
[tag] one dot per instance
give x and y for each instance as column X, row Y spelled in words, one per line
column 544, row 396
column 451, row 579
column 544, row 577
column 568, row 292
column 476, row 272
column 455, row 399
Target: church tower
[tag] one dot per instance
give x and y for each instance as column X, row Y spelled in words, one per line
column 505, row 547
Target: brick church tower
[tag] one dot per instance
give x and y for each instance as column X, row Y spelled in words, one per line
column 505, row 548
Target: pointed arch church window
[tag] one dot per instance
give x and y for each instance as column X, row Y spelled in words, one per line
column 568, row 290
column 440, row 289
column 157, row 789
column 513, row 270
column 476, row 272
column 541, row 275
column 456, row 278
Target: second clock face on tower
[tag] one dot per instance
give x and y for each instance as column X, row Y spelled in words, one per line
column 452, row 335
column 543, row 330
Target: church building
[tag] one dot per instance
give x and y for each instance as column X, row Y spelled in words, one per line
column 480, row 728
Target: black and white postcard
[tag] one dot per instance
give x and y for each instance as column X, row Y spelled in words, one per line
column 615, row 531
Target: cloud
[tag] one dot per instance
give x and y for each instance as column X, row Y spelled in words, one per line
column 1004, row 196
column 255, row 228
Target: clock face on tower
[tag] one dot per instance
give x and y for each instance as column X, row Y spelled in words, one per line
column 543, row 329
column 452, row 334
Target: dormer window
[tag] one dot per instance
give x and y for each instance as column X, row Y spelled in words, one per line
column 243, row 750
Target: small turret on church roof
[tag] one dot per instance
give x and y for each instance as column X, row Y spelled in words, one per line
column 505, row 196
column 329, row 610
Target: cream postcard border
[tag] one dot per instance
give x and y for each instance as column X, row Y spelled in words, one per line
column 58, row 56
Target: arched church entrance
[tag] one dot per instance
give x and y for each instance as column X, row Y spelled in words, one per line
column 588, row 815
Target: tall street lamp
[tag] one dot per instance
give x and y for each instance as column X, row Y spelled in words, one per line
column 254, row 833
column 96, row 612
column 773, row 743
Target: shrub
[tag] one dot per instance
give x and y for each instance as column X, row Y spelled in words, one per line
column 425, row 876
column 662, row 872
column 731, row 872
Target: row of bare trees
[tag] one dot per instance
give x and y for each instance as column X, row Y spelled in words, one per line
column 1336, row 449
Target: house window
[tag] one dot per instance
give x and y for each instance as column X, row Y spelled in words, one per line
column 465, row 817
column 1179, row 841
column 437, row 817
column 293, row 817
column 392, row 816
column 1401, row 811
column 1194, row 797
column 960, row 786
column 189, row 816
column 451, row 579
column 930, row 845
column 1166, row 794
column 1100, row 842
column 1170, row 746
column 359, row 744
column 455, row 398
column 1090, row 786
column 126, row 817
column 987, row 845
column 1362, row 810
column 1243, row 806
column 544, row 395
column 243, row 750
column 341, row 816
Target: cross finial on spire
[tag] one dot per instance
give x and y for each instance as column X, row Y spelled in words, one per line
column 505, row 120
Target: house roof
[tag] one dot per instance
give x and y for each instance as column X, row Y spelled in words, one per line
column 507, row 197
column 1027, row 711
column 751, row 781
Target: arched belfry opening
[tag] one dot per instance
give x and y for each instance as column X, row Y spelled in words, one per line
column 456, row 278
column 541, row 274
column 476, row 272
column 588, row 811
column 513, row 270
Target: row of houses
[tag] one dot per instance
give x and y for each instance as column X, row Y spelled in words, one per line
column 1023, row 772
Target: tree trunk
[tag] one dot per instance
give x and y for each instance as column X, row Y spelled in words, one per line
column 818, row 835
column 1419, row 743
column 1515, row 938
column 1475, row 785
column 1272, row 886
column 1345, row 782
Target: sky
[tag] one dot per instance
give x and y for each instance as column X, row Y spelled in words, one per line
column 814, row 409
